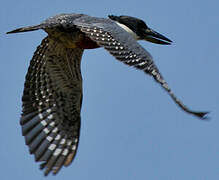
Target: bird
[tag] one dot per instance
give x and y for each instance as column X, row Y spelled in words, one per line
column 52, row 95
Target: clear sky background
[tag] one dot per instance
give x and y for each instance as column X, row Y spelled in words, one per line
column 131, row 129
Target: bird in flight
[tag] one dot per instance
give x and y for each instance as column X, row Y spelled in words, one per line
column 52, row 95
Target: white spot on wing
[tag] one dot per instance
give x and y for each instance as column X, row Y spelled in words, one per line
column 40, row 116
column 137, row 60
column 74, row 147
column 142, row 63
column 153, row 72
column 55, row 130
column 52, row 147
column 65, row 152
column 44, row 123
column 52, row 124
column 49, row 138
column 50, row 116
column 57, row 152
column 69, row 143
column 46, row 130
column 58, row 137
column 62, row 141
column 49, row 110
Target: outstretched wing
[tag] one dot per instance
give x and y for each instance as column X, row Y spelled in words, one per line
column 125, row 48
column 52, row 100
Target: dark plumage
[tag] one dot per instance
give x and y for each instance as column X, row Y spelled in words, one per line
column 52, row 94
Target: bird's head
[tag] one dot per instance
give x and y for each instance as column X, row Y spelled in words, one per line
column 139, row 29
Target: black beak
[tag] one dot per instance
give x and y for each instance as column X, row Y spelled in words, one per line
column 155, row 37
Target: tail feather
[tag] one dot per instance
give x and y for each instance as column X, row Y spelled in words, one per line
column 25, row 29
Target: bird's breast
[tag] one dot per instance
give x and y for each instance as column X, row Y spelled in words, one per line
column 86, row 43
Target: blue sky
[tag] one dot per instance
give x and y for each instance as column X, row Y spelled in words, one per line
column 131, row 129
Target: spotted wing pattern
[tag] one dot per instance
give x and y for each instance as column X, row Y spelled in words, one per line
column 132, row 54
column 51, row 105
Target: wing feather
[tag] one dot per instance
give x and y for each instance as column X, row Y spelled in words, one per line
column 51, row 104
column 126, row 49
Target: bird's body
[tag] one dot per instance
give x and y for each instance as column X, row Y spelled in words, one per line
column 52, row 95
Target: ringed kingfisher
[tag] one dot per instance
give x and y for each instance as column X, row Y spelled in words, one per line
column 52, row 95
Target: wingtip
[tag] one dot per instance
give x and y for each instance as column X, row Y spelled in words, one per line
column 24, row 29
column 13, row 31
column 202, row 115
column 17, row 30
column 69, row 159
